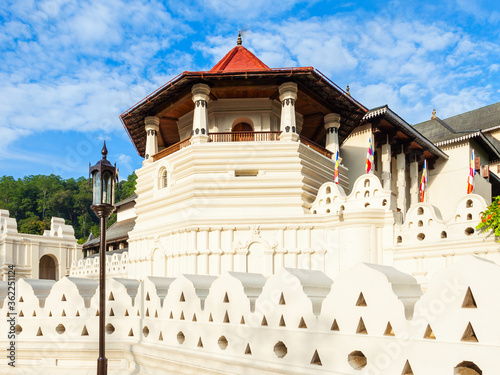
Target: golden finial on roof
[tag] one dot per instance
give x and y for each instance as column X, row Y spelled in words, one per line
column 433, row 114
column 239, row 39
column 347, row 90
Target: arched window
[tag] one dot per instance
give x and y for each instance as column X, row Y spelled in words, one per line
column 242, row 132
column 162, row 178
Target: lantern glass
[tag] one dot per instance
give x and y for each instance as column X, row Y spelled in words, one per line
column 107, row 188
column 96, row 187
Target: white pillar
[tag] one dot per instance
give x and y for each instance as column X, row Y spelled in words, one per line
column 200, row 93
column 217, row 253
column 414, row 188
column 152, row 126
column 401, row 182
column 332, row 124
column 386, row 166
column 288, row 126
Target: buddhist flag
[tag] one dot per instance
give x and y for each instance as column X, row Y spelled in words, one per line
column 470, row 179
column 423, row 182
column 369, row 157
column 336, row 175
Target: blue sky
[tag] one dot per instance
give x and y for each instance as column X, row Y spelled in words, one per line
column 69, row 68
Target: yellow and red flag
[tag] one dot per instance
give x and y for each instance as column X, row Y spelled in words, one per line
column 470, row 179
column 369, row 157
column 423, row 182
column 336, row 175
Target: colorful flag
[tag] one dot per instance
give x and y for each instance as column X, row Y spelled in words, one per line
column 369, row 157
column 336, row 175
column 423, row 182
column 470, row 179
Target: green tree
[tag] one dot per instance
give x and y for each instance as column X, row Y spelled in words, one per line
column 34, row 200
column 490, row 219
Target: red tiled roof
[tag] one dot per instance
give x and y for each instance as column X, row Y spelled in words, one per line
column 239, row 59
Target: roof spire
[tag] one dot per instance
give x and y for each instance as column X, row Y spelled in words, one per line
column 104, row 151
column 347, row 91
column 239, row 39
column 433, row 114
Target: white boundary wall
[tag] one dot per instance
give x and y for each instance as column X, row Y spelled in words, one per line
column 243, row 323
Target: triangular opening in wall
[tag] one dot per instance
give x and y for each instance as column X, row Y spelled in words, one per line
column 147, row 312
column 182, row 315
column 210, row 319
column 335, row 326
column 85, row 332
column 97, row 313
column 63, row 298
column 226, row 298
column 315, row 359
column 131, row 332
column 264, row 321
column 248, row 350
column 34, row 313
column 200, row 343
column 242, row 321
column 147, row 297
column 361, row 327
column 429, row 333
column 388, row 330
column 160, row 337
column 21, row 314
column 39, row 333
column 282, row 321
column 111, row 297
column 182, row 299
column 361, row 300
column 469, row 301
column 407, row 369
column 302, row 323
column 156, row 313
column 21, row 299
column 77, row 313
column 282, row 299
column 171, row 315
column 63, row 313
column 469, row 334
column 194, row 318
column 50, row 314
column 126, row 312
column 111, row 312
column 226, row 318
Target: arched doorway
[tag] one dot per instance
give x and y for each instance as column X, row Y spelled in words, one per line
column 242, row 131
column 47, row 268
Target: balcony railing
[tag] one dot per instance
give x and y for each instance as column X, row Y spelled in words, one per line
column 240, row 137
column 171, row 149
column 244, row 136
column 323, row 151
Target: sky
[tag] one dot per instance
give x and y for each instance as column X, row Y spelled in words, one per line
column 69, row 68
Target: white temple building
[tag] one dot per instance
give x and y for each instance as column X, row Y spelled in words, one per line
column 239, row 254
column 238, row 176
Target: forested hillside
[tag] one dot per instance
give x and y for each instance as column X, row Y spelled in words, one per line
column 33, row 200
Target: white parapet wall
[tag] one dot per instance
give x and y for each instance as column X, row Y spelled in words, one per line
column 372, row 319
column 35, row 256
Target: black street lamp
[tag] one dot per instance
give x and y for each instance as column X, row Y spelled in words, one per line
column 104, row 176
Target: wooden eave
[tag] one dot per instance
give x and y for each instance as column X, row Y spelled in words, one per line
column 386, row 123
column 317, row 96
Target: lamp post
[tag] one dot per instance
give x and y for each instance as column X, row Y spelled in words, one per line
column 104, row 176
